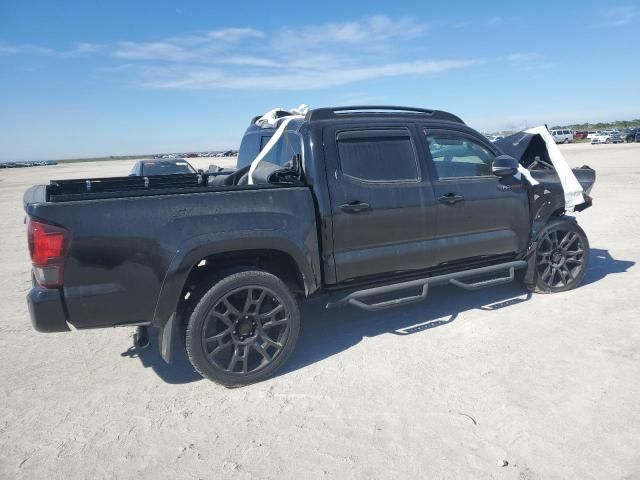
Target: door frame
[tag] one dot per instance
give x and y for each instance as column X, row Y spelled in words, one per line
column 333, row 168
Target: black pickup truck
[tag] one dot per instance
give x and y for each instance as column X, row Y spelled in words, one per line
column 369, row 206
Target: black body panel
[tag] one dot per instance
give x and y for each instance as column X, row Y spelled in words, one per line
column 46, row 310
column 396, row 231
column 125, row 251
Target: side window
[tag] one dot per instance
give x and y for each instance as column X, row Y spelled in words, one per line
column 264, row 141
column 457, row 156
column 290, row 148
column 378, row 155
column 248, row 150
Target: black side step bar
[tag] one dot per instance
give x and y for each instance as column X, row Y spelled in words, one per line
column 356, row 298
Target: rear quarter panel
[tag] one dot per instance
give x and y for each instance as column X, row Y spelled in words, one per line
column 123, row 251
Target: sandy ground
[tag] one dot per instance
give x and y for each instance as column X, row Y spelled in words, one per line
column 455, row 387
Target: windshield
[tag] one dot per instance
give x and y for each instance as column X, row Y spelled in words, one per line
column 166, row 168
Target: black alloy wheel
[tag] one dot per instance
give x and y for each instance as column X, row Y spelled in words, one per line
column 243, row 329
column 561, row 257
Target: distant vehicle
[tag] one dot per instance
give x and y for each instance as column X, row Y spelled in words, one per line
column 629, row 134
column 637, row 137
column 562, row 136
column 592, row 134
column 606, row 137
column 147, row 168
column 580, row 135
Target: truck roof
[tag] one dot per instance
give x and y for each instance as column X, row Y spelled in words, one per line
column 373, row 111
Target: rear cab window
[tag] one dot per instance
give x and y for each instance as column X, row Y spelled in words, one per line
column 378, row 155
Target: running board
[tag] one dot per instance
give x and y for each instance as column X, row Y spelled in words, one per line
column 356, row 298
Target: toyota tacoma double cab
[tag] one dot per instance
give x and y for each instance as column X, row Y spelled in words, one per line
column 368, row 206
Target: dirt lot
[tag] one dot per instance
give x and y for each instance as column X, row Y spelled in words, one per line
column 489, row 384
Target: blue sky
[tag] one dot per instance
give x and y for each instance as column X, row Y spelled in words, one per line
column 93, row 78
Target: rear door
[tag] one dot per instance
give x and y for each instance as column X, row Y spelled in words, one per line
column 382, row 202
column 478, row 214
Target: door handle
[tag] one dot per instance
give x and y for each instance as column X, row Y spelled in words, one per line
column 450, row 198
column 354, row 207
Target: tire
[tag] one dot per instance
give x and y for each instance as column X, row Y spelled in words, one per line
column 227, row 338
column 561, row 257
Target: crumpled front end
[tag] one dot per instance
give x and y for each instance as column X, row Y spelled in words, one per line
column 537, row 152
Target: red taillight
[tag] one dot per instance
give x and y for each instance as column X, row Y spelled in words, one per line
column 47, row 246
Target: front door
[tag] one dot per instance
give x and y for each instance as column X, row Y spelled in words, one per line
column 479, row 214
column 382, row 202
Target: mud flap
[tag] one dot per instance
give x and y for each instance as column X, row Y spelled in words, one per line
column 530, row 273
column 169, row 338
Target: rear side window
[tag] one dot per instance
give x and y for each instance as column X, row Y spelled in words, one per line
column 264, row 141
column 457, row 156
column 378, row 155
column 286, row 148
column 248, row 150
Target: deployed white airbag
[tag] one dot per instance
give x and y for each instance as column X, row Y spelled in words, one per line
column 573, row 192
column 271, row 119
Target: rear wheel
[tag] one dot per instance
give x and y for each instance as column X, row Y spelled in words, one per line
column 243, row 329
column 562, row 255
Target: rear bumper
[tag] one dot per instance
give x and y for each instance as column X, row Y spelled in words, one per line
column 46, row 310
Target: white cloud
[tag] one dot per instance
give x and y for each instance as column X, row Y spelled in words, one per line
column 249, row 61
column 153, row 51
column 370, row 31
column 234, row 34
column 295, row 79
column 79, row 49
column 199, row 47
column 619, row 16
column 522, row 57
column 528, row 61
column 304, row 57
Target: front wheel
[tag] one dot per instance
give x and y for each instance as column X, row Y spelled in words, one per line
column 562, row 256
column 243, row 329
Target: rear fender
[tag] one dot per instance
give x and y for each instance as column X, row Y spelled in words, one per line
column 304, row 255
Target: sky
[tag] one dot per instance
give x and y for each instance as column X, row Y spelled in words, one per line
column 93, row 78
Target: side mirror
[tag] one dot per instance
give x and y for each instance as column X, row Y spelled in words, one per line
column 200, row 170
column 504, row 166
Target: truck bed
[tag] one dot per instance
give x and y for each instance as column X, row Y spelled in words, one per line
column 120, row 187
column 126, row 243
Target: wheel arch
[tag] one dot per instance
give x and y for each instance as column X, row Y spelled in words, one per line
column 207, row 256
